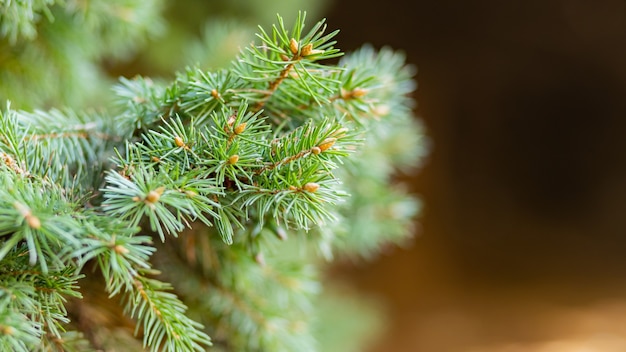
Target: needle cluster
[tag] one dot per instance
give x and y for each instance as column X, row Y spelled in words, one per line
column 191, row 200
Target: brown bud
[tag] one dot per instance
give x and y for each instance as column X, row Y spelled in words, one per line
column 284, row 57
column 311, row 187
column 179, row 142
column 293, row 46
column 316, row 150
column 306, row 50
column 156, row 159
column 154, row 195
column 351, row 94
column 358, row 92
column 327, row 143
column 33, row 222
column 119, row 249
column 293, row 188
column 215, row 94
column 233, row 159
column 240, row 128
column 7, row 330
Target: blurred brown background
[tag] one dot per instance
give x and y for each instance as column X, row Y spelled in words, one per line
column 522, row 244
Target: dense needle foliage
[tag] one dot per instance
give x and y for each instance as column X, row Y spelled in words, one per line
column 194, row 202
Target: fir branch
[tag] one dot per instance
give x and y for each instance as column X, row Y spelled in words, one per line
column 162, row 316
column 257, row 307
column 18, row 19
column 39, row 296
column 18, row 332
column 375, row 85
column 143, row 103
column 61, row 147
column 284, row 52
column 319, row 140
column 123, row 261
column 207, row 92
column 69, row 341
column 38, row 214
column 252, row 151
column 50, row 42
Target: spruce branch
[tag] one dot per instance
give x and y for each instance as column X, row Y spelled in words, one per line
column 162, row 314
column 254, row 307
column 123, row 261
column 19, row 18
column 230, row 169
column 45, row 42
column 37, row 214
column 34, row 301
column 288, row 54
column 19, row 331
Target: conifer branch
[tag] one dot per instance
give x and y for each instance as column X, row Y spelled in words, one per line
column 220, row 166
column 162, row 316
column 242, row 298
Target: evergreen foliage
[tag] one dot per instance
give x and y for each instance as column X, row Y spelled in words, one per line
column 45, row 41
column 196, row 202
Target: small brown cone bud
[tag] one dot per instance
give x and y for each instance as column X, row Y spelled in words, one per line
column 307, row 49
column 7, row 330
column 215, row 94
column 293, row 46
column 33, row 222
column 179, row 142
column 119, row 249
column 240, row 128
column 284, row 57
column 327, row 143
column 316, row 150
column 233, row 159
column 154, row 195
column 358, row 92
column 311, row 187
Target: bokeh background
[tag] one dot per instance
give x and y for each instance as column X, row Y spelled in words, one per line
column 522, row 243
